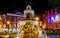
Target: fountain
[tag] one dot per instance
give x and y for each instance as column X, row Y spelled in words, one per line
column 29, row 25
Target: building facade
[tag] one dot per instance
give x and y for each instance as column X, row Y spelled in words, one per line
column 10, row 20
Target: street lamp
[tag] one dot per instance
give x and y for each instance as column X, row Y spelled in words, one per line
column 8, row 22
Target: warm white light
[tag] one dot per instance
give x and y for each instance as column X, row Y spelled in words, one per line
column 8, row 22
column 37, row 18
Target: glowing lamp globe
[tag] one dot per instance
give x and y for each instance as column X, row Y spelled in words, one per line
column 8, row 22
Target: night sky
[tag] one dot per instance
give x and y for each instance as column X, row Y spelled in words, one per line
column 11, row 5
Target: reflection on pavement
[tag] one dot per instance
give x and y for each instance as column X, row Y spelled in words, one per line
column 26, row 36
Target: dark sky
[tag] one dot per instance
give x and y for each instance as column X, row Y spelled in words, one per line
column 11, row 5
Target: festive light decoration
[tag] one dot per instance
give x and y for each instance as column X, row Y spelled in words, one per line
column 54, row 18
